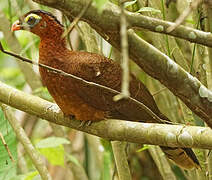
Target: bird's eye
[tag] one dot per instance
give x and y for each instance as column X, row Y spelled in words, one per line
column 31, row 20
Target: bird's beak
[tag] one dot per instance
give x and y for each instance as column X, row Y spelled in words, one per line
column 16, row 26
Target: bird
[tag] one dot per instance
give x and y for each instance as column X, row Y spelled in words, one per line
column 86, row 102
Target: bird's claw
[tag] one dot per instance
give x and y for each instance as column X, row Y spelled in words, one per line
column 85, row 123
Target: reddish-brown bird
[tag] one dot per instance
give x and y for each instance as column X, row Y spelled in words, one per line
column 89, row 103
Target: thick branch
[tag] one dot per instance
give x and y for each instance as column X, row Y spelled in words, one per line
column 151, row 60
column 148, row 133
column 136, row 20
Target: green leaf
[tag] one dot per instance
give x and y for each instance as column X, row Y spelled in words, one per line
column 100, row 4
column 27, row 176
column 52, row 148
column 51, row 142
column 7, row 167
column 12, row 76
column 190, row 21
column 31, row 175
column 73, row 159
column 128, row 4
column 148, row 9
column 54, row 155
column 145, row 147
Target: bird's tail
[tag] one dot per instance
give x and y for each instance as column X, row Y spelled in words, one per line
column 184, row 157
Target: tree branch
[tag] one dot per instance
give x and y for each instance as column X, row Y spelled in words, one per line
column 196, row 96
column 125, row 55
column 136, row 132
column 136, row 20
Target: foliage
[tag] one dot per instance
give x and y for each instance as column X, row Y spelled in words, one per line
column 52, row 148
column 148, row 9
column 96, row 154
column 7, row 167
column 100, row 4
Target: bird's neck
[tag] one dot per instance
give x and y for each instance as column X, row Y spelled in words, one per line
column 52, row 44
column 56, row 41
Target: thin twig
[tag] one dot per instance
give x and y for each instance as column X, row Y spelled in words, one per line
column 125, row 57
column 184, row 15
column 66, row 25
column 60, row 72
column 76, row 20
column 6, row 147
column 119, row 147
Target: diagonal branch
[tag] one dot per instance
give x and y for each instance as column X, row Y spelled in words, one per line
column 76, row 20
column 136, row 132
column 6, row 147
column 193, row 5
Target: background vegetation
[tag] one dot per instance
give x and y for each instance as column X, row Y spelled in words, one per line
column 70, row 154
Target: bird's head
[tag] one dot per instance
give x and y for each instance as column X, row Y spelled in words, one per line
column 39, row 22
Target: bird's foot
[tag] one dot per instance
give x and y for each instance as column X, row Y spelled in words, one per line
column 85, row 123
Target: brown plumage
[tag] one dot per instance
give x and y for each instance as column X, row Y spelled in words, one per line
column 89, row 103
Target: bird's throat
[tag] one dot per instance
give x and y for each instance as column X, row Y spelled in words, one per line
column 52, row 45
column 51, row 48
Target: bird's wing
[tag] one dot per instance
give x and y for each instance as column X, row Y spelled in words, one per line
column 98, row 69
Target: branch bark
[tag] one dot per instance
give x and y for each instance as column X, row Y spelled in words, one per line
column 136, row 132
column 196, row 96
